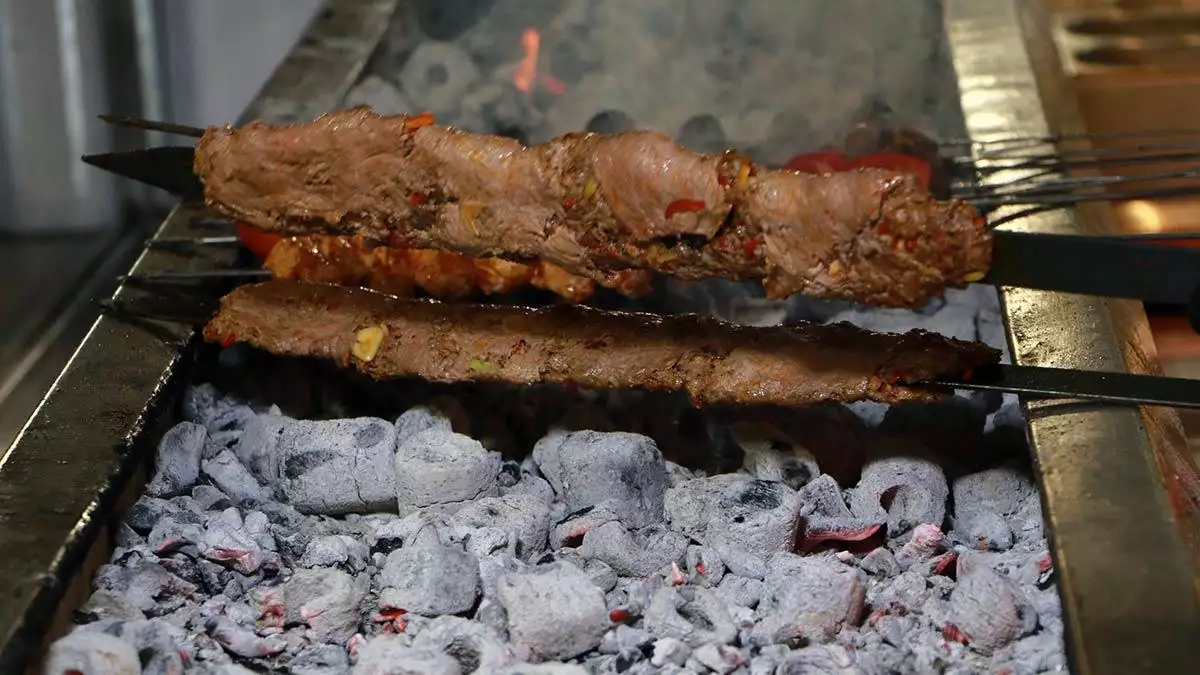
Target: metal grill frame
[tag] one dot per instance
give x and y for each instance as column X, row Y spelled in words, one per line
column 1109, row 477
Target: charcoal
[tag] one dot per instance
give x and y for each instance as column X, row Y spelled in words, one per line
column 242, row 642
column 227, row 541
column 177, row 462
column 739, row 591
column 418, row 419
column 430, row 580
column 771, row 455
column 745, row 520
column 380, row 95
column 92, row 652
column 668, row 651
column 336, row 550
column 1001, row 491
column 523, row 520
column 210, row 498
column 1040, row 653
column 822, row 659
column 147, row 511
column 475, row 647
column 601, row 574
column 880, row 562
column 986, row 607
column 639, row 553
column 808, row 599
column 320, row 659
column 983, row 529
column 257, row 446
column 158, row 644
column 554, row 610
column 436, row 466
column 704, row 565
column 326, row 600
column 911, row 481
column 570, row 532
column 389, row 655
column 550, row 668
column 532, row 486
column 146, row 585
column 234, row 479
column 693, row 615
column 722, row 659
column 103, row 605
column 588, row 468
column 926, row 541
column 169, row 535
column 338, row 466
column 678, row 475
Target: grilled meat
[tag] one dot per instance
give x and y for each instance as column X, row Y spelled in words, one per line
column 592, row 204
column 350, row 261
column 715, row 362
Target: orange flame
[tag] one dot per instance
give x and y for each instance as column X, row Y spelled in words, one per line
column 527, row 70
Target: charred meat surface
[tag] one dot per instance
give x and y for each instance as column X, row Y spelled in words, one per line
column 715, row 362
column 593, row 204
column 351, row 261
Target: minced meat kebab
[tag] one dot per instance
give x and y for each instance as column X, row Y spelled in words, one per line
column 597, row 204
column 714, row 362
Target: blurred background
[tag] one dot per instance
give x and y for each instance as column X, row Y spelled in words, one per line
column 66, row 229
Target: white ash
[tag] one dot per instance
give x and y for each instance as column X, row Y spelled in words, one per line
column 592, row 553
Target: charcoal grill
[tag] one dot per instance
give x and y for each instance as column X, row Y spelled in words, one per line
column 1124, row 527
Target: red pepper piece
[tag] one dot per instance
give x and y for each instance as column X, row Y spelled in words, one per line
column 258, row 242
column 417, row 121
column 818, row 162
column 619, row 616
column 417, row 199
column 684, row 206
column 228, row 341
column 752, row 245
column 895, row 161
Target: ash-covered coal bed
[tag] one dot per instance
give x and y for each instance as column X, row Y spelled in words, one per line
column 543, row 531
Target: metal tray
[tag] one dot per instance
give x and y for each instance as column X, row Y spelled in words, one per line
column 1111, row 478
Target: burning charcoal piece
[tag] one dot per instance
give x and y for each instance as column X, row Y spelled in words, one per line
column 240, row 641
column 233, row 478
column 640, row 553
column 983, row 529
column 436, row 466
column 418, row 419
column 671, row 651
column 554, row 611
column 693, row 615
column 227, row 541
column 987, row 608
column 601, row 574
column 92, row 652
column 476, row 647
column 338, row 466
column 158, row 643
column 824, row 659
column 880, row 562
column 438, row 74
column 703, row 133
column 1003, row 490
column 177, row 463
column 552, row 668
column 531, row 486
column 379, row 95
column 326, row 600
column 210, row 498
column 610, row 122
column 705, row 565
column 391, row 655
column 571, row 531
column 525, row 519
column 808, row 599
column 743, row 519
column 902, row 485
column 336, row 550
column 926, row 541
column 429, row 580
column 258, row 446
column 771, row 455
column 587, row 468
column 826, row 516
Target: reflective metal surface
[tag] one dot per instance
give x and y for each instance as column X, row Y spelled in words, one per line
column 1116, row 484
column 61, row 478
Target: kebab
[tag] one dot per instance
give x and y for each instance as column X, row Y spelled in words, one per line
column 594, row 204
column 351, row 261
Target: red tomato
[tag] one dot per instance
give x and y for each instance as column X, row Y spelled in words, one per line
column 260, row 243
column 818, row 162
column 895, row 161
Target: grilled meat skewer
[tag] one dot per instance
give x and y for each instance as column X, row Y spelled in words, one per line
column 715, row 362
column 592, row 204
column 350, row 261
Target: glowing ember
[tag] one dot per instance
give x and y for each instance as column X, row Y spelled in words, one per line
column 527, row 71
